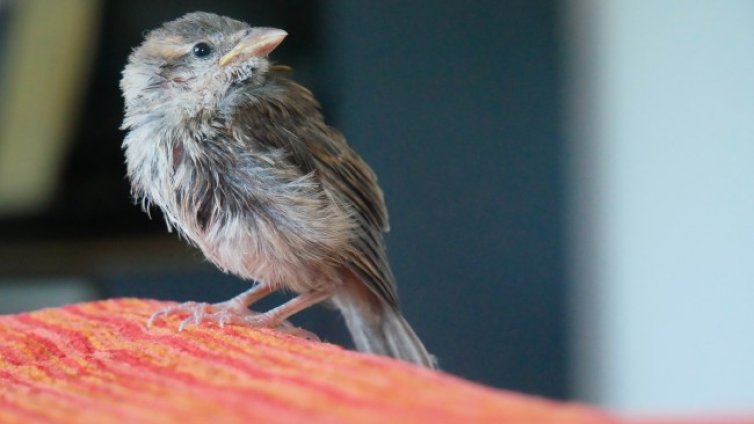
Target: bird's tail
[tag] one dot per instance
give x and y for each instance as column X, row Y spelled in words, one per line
column 383, row 330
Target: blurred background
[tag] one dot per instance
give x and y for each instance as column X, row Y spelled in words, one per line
column 569, row 182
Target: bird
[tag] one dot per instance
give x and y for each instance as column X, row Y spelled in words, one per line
column 239, row 159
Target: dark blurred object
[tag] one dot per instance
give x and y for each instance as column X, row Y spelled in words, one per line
column 455, row 104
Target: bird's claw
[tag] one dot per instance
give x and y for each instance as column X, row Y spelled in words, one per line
column 288, row 328
column 219, row 313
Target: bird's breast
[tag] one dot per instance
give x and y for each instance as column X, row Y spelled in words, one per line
column 252, row 213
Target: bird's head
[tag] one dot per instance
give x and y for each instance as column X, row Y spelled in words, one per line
column 189, row 65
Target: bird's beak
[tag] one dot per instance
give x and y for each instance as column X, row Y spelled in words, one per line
column 259, row 42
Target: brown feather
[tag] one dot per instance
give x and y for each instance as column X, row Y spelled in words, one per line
column 315, row 147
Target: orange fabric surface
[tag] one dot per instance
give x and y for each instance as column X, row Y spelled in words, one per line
column 96, row 362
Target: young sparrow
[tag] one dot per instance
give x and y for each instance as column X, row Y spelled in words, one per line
column 242, row 164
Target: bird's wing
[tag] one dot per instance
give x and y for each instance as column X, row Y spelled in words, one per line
column 348, row 177
column 289, row 118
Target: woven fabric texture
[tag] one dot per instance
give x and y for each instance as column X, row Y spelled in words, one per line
column 98, row 363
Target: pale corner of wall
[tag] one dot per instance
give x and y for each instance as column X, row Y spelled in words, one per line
column 661, row 142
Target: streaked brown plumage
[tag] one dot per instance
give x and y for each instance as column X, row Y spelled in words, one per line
column 238, row 157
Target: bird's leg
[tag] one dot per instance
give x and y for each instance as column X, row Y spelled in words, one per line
column 277, row 316
column 235, row 310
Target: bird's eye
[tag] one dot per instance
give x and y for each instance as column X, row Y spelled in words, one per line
column 201, row 49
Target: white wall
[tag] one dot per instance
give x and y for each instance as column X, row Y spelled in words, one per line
column 661, row 121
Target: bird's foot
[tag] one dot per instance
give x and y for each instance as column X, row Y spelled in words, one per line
column 228, row 312
column 219, row 313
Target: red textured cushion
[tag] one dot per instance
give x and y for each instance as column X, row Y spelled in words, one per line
column 97, row 363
